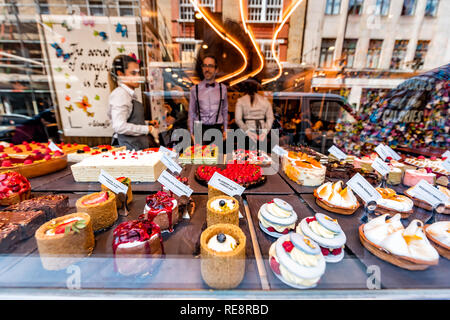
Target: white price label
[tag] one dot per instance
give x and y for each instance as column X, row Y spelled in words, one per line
column 171, row 153
column 279, row 151
column 394, row 155
column 426, row 192
column 52, row 146
column 446, row 164
column 380, row 166
column 382, row 152
column 174, row 185
column 335, row 151
column 363, row 188
column 111, row 183
column 170, row 163
column 225, row 185
column 446, row 154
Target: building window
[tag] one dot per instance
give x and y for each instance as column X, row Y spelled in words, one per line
column 355, row 7
column 266, row 49
column 374, row 53
column 96, row 8
column 409, row 7
column 431, row 8
column 326, row 53
column 399, row 54
column 421, row 52
column 188, row 51
column 126, row 8
column 43, row 7
column 187, row 9
column 333, row 7
column 382, row 7
column 348, row 53
column 264, row 10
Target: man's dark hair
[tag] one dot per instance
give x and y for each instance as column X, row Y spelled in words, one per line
column 211, row 57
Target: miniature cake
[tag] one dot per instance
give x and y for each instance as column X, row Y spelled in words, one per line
column 126, row 181
column 277, row 217
column 332, row 197
column 257, row 157
column 52, row 205
column 65, row 240
column 207, row 154
column 394, row 176
column 297, row 261
column 425, row 205
column 412, row 177
column 14, row 188
column 406, row 248
column 222, row 209
column 80, row 154
column 365, row 162
column 439, row 235
column 398, row 165
column 327, row 233
column 33, row 165
column 222, row 251
column 247, row 175
column 162, row 209
column 304, row 170
column 101, row 207
column 393, row 203
column 137, row 247
column 139, row 166
column 213, row 192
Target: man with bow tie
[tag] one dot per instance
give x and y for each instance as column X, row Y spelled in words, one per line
column 208, row 103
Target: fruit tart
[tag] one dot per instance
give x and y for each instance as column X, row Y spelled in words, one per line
column 332, row 197
column 406, row 248
column 162, row 208
column 126, row 181
column 277, row 217
column 65, row 240
column 137, row 247
column 327, row 233
column 393, row 203
column 222, row 209
column 222, row 252
column 247, row 175
column 296, row 260
column 101, row 206
column 14, row 188
column 439, row 235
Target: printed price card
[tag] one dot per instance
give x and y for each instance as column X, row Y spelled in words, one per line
column 335, row 151
column 170, row 163
column 111, row 183
column 174, row 185
column 363, row 188
column 380, row 166
column 225, row 185
column 426, row 192
column 279, row 151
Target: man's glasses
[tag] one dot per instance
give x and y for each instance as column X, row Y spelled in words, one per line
column 211, row 66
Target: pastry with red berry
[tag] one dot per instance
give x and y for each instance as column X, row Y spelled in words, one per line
column 162, row 209
column 65, row 240
column 82, row 153
column 297, row 261
column 14, row 188
column 126, row 181
column 277, row 218
column 101, row 206
column 222, row 252
column 327, row 233
column 137, row 247
column 247, row 175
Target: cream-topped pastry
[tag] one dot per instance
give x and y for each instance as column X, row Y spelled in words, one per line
column 297, row 261
column 333, row 195
column 393, row 201
column 224, row 204
column 394, row 238
column 222, row 243
column 440, row 231
column 277, row 217
column 303, row 169
column 327, row 233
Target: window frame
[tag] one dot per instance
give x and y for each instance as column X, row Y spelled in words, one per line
column 409, row 11
column 382, row 7
column 186, row 4
column 331, row 5
column 264, row 6
column 355, row 7
column 435, row 4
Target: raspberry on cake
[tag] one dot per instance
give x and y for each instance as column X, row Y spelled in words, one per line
column 162, row 209
column 247, row 175
column 14, row 188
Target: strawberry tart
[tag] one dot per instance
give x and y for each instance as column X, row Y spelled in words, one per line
column 327, row 233
column 101, row 207
column 247, row 175
column 137, row 247
column 277, row 218
column 257, row 157
column 297, row 261
column 14, row 188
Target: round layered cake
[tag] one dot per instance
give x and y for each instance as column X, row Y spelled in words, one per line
column 277, row 217
column 162, row 209
column 247, row 175
column 222, row 209
column 412, row 177
column 304, row 170
column 297, row 261
column 222, row 248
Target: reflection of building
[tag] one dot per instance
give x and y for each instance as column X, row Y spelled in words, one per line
column 374, row 44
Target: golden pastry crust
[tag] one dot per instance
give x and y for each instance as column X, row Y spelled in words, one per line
column 103, row 214
column 228, row 216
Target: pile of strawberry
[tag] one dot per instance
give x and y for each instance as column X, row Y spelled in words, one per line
column 13, row 183
column 240, row 173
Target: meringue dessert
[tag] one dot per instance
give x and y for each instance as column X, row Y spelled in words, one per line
column 297, row 261
column 222, row 209
column 303, row 169
column 327, row 233
column 277, row 217
column 391, row 202
column 439, row 235
column 412, row 177
column 425, row 205
column 407, row 248
column 332, row 197
column 222, row 250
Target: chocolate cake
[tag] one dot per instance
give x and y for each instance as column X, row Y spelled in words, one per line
column 340, row 170
column 53, row 205
column 9, row 236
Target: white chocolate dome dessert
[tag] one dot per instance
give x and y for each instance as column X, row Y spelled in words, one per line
column 277, row 217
